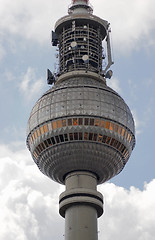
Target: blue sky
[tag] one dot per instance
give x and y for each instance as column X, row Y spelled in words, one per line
column 25, row 54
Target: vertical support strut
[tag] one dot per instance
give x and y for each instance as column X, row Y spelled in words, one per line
column 110, row 62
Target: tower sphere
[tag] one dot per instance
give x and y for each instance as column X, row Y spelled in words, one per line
column 80, row 124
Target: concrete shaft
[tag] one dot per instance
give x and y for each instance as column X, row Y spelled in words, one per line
column 81, row 205
column 81, row 223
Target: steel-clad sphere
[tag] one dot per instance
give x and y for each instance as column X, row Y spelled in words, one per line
column 80, row 124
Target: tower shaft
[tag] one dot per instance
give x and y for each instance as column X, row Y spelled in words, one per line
column 81, row 223
column 81, row 205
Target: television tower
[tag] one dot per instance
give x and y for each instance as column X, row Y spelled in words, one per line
column 81, row 132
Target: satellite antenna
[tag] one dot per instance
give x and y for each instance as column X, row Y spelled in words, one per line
column 109, row 74
column 74, row 45
column 85, row 58
column 50, row 77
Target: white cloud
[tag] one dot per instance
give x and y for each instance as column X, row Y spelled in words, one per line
column 29, row 201
column 129, row 214
column 29, row 204
column 9, row 76
column 30, row 86
column 31, row 19
column 114, row 83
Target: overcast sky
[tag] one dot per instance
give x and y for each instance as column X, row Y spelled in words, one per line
column 28, row 199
